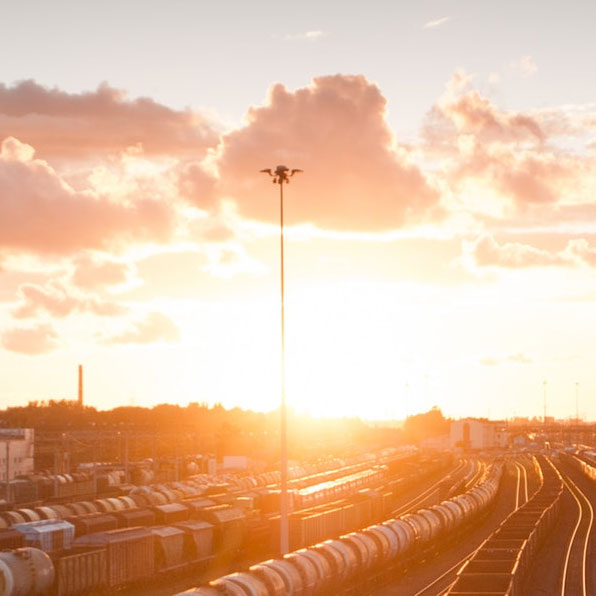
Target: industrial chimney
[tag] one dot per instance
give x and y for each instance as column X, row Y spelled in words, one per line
column 81, row 385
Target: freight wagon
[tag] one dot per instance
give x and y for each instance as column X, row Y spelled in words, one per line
column 359, row 559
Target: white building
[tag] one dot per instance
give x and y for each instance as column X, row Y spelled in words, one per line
column 16, row 452
column 477, row 433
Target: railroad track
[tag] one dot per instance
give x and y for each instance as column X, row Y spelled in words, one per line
column 576, row 566
column 477, row 475
column 521, row 493
column 443, row 582
column 425, row 495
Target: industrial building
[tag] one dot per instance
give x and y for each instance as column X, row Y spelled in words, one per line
column 478, row 433
column 16, row 452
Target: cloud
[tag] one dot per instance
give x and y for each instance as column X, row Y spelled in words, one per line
column 56, row 301
column 436, row 23
column 355, row 177
column 91, row 273
column 507, row 165
column 490, row 361
column 485, row 251
column 520, row 358
column 75, row 125
column 525, row 66
column 582, row 251
column 308, row 36
column 155, row 327
column 229, row 260
column 197, row 185
column 40, row 212
column 34, row 340
column 517, row 358
column 471, row 113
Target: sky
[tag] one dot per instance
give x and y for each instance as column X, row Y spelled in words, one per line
column 440, row 245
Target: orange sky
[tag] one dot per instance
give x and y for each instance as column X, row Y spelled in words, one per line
column 141, row 241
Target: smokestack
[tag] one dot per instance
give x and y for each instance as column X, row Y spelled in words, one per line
column 80, row 385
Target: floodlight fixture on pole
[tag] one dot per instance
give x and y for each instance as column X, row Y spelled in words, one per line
column 281, row 175
column 577, row 402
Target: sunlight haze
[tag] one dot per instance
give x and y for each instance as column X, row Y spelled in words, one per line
column 440, row 245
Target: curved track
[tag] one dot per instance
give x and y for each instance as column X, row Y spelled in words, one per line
column 421, row 498
column 574, row 576
column 515, row 494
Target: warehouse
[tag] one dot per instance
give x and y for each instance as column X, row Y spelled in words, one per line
column 477, row 433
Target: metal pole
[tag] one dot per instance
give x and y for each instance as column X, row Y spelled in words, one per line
column 284, row 530
column 576, row 402
column 55, row 471
column 544, row 385
column 94, row 455
column 7, row 471
column 126, row 469
column 281, row 175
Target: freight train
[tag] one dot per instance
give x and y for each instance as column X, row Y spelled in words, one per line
column 355, row 561
column 153, row 532
column 582, row 462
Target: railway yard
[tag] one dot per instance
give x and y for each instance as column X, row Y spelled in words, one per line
column 399, row 521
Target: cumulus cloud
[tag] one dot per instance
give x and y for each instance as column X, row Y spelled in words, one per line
column 33, row 340
column 580, row 249
column 153, row 328
column 504, row 164
column 485, row 251
column 471, row 113
column 55, row 300
column 41, row 212
column 91, row 273
column 58, row 123
column 335, row 129
column 197, row 185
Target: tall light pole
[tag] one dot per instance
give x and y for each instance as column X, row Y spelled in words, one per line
column 577, row 402
column 544, row 386
column 282, row 176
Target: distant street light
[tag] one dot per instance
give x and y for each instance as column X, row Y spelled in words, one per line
column 577, row 402
column 281, row 176
column 544, row 385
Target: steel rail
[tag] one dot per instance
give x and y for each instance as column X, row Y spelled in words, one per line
column 569, row 483
column 471, row 553
column 426, row 493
